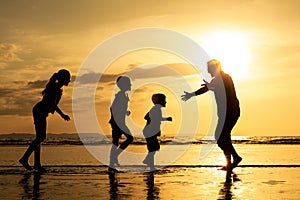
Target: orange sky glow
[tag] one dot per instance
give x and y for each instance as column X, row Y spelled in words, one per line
column 256, row 41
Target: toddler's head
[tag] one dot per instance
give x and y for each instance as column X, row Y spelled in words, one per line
column 159, row 99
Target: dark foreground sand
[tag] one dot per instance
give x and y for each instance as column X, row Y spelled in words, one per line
column 90, row 182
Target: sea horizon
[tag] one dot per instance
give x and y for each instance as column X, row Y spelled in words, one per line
column 98, row 139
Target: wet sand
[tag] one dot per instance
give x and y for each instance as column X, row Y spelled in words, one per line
column 267, row 172
column 168, row 183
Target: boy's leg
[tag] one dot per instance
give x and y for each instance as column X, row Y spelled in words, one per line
column 113, row 151
column 146, row 160
column 151, row 160
column 124, row 145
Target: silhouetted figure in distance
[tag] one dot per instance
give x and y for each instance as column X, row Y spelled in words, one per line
column 49, row 104
column 152, row 128
column 119, row 111
column 227, row 107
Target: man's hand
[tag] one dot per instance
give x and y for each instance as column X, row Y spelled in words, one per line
column 186, row 96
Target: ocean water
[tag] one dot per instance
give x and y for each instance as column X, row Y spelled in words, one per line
column 98, row 139
column 68, row 149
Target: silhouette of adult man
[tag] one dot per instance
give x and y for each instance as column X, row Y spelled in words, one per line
column 119, row 111
column 49, row 104
column 227, row 106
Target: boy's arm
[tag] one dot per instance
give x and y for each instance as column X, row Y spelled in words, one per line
column 166, row 119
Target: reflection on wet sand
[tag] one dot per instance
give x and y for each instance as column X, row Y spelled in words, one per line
column 119, row 189
column 226, row 191
column 31, row 192
column 113, row 182
column 152, row 189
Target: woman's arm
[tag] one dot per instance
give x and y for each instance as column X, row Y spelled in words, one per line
column 53, row 99
column 64, row 116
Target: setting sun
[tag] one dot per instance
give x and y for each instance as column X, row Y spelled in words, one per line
column 232, row 49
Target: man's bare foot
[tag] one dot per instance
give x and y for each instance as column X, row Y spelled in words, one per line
column 236, row 162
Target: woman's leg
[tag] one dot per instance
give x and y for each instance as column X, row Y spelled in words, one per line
column 37, row 156
column 40, row 128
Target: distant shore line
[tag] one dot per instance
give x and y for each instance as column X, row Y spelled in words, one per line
column 79, row 143
column 162, row 166
column 98, row 139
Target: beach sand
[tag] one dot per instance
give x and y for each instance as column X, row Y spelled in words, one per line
column 72, row 173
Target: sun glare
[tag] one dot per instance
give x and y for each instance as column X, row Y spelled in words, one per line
column 231, row 49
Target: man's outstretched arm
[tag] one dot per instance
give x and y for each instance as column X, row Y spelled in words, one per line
column 186, row 96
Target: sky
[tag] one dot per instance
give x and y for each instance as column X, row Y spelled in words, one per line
column 256, row 41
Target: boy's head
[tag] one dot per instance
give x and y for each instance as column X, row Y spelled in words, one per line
column 123, row 82
column 159, row 99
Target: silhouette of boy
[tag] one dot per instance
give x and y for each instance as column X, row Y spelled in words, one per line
column 49, row 104
column 119, row 110
column 227, row 106
column 152, row 128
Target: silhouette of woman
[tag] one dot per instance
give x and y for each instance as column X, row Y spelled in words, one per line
column 51, row 97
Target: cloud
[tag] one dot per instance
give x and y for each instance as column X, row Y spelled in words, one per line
column 9, row 53
column 18, row 97
column 135, row 72
column 5, row 92
column 92, row 77
column 167, row 70
column 37, row 84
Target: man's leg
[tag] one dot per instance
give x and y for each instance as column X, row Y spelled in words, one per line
column 222, row 139
column 223, row 144
column 231, row 123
